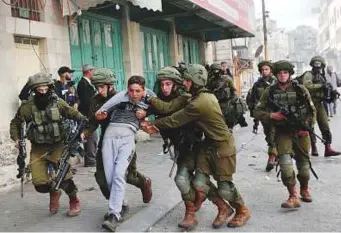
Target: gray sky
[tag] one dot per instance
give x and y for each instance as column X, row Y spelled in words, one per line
column 289, row 13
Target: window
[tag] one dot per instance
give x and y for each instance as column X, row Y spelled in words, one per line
column 27, row 9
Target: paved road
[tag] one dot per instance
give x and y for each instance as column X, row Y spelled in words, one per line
column 263, row 193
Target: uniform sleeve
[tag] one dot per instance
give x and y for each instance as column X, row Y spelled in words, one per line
column 311, row 105
column 261, row 110
column 163, row 107
column 308, row 83
column 21, row 116
column 70, row 112
column 93, row 124
column 179, row 118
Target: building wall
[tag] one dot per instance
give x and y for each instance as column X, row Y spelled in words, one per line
column 53, row 50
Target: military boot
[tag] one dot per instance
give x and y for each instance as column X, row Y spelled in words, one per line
column 272, row 161
column 304, row 191
column 314, row 151
column 110, row 223
column 241, row 217
column 200, row 197
column 225, row 213
column 146, row 189
column 189, row 222
column 54, row 201
column 75, row 207
column 330, row 152
column 293, row 201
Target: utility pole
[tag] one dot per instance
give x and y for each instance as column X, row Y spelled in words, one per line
column 265, row 31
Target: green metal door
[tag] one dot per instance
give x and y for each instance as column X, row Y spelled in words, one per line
column 96, row 40
column 155, row 52
column 191, row 50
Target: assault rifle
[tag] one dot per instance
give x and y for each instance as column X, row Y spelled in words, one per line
column 21, row 158
column 294, row 121
column 64, row 165
column 174, row 158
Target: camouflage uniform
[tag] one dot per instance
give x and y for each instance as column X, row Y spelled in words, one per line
column 186, row 141
column 257, row 90
column 217, row 154
column 315, row 82
column 291, row 141
column 45, row 115
column 103, row 76
column 232, row 107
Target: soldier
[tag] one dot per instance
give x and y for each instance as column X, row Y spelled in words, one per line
column 265, row 69
column 217, row 154
column 103, row 79
column 46, row 114
column 291, row 140
column 315, row 82
column 232, row 107
column 186, row 141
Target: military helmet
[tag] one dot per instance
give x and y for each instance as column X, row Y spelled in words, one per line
column 40, row 79
column 103, row 76
column 283, row 65
column 318, row 58
column 169, row 72
column 215, row 66
column 197, row 74
column 264, row 63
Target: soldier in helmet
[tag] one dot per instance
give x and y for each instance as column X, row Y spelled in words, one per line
column 222, row 86
column 266, row 79
column 103, row 80
column 320, row 90
column 186, row 140
column 46, row 115
column 217, row 154
column 291, row 140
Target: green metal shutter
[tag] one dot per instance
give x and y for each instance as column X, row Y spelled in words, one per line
column 96, row 40
column 191, row 50
column 155, row 53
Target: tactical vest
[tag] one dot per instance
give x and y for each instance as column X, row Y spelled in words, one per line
column 317, row 94
column 259, row 88
column 125, row 113
column 291, row 101
column 48, row 126
column 220, row 89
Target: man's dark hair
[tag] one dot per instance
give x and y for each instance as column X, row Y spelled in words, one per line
column 136, row 79
column 223, row 62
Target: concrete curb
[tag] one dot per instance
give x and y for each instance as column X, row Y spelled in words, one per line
column 149, row 216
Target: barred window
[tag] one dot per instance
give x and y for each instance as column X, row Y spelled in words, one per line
column 27, row 9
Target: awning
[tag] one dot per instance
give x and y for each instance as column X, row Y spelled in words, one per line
column 71, row 6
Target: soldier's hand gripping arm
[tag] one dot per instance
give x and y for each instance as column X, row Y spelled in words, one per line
column 179, row 118
column 163, row 107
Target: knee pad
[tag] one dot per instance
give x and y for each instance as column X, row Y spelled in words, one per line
column 182, row 181
column 227, row 190
column 43, row 188
column 69, row 187
column 287, row 170
column 201, row 181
